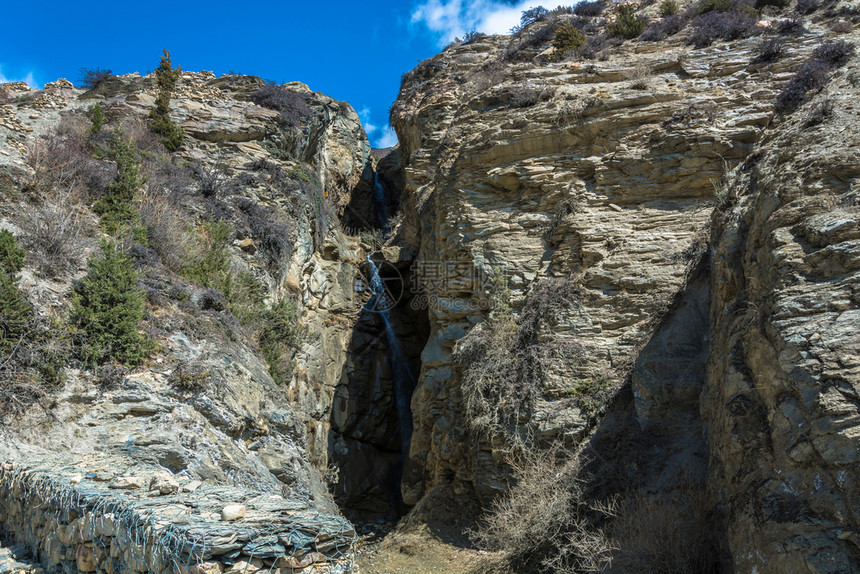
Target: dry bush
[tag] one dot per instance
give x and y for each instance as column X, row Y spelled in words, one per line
column 110, row 375
column 842, row 27
column 529, row 17
column 813, row 74
column 698, row 246
column 148, row 143
column 564, row 209
column 769, row 50
column 791, row 27
column 503, row 360
column 588, row 9
column 639, row 76
column 665, row 532
column 32, row 367
column 722, row 25
column 33, row 349
column 304, row 191
column 272, row 233
column 497, row 387
column 473, row 36
column 292, row 105
column 167, row 178
column 211, row 178
column 569, row 112
column 544, row 522
column 526, row 95
column 167, row 229
column 691, row 115
column 835, row 53
column 806, row 7
column 55, row 233
column 64, row 174
column 597, row 47
column 92, row 78
column 63, row 162
column 527, row 42
column 845, row 13
column 487, row 77
column 663, row 28
column 167, row 184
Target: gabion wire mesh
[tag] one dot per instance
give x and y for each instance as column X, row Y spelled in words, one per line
column 178, row 531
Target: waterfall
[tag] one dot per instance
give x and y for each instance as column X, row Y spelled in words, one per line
column 381, row 203
column 400, row 372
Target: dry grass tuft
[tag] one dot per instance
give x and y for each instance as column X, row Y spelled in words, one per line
column 167, row 229
column 665, row 532
column 640, row 76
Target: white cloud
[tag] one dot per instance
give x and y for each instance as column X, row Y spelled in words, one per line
column 387, row 139
column 369, row 127
column 449, row 19
column 380, row 137
column 29, row 79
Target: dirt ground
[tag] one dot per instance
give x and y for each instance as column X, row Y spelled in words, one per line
column 423, row 550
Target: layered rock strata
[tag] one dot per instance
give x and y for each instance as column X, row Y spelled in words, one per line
column 600, row 178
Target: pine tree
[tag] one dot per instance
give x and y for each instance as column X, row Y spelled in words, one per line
column 159, row 118
column 98, row 119
column 11, row 256
column 108, row 307
column 116, row 206
column 567, row 37
column 281, row 334
column 15, row 312
column 627, row 24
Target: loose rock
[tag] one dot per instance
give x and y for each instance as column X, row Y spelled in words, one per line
column 233, row 512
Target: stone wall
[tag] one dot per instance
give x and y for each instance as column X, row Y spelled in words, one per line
column 73, row 522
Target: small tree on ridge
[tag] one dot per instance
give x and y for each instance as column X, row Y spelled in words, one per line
column 159, row 118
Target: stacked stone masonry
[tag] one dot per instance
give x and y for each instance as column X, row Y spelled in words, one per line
column 70, row 521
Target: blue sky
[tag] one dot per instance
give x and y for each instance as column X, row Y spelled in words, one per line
column 353, row 51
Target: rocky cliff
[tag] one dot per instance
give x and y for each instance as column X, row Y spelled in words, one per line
column 204, row 409
column 780, row 401
column 600, row 180
column 638, row 252
column 677, row 357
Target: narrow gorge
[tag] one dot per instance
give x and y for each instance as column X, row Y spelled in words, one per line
column 598, row 310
